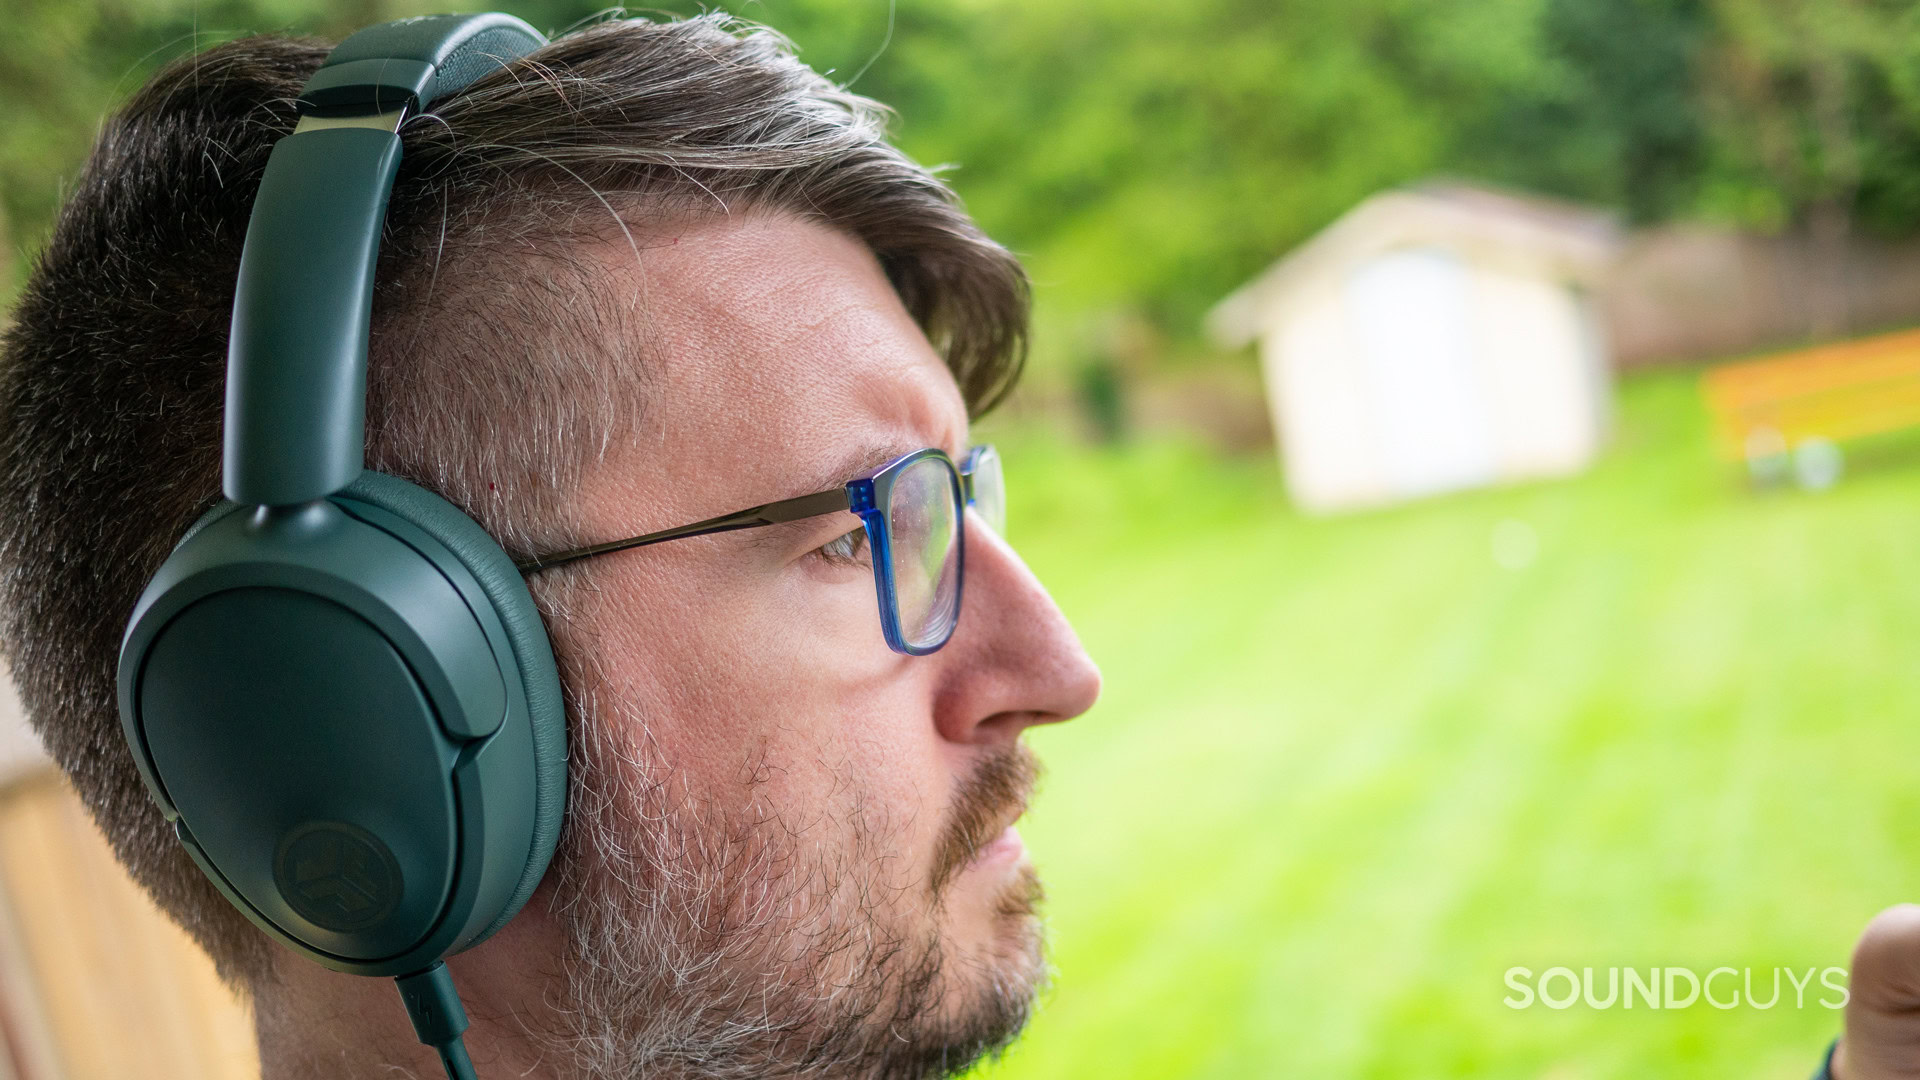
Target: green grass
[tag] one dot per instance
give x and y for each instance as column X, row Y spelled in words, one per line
column 1346, row 772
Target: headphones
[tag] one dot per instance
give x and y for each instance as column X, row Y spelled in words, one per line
column 337, row 687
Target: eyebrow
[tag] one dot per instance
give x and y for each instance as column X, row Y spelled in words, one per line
column 864, row 458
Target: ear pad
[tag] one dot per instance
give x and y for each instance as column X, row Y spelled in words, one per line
column 506, row 590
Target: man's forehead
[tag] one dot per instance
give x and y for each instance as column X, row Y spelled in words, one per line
column 775, row 354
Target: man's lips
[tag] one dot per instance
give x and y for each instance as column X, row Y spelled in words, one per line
column 1005, row 844
column 1002, row 849
column 982, row 814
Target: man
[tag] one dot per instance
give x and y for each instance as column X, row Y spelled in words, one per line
column 652, row 273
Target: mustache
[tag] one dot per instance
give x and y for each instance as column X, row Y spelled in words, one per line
column 986, row 800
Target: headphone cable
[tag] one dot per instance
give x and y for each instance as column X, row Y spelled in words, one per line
column 438, row 1017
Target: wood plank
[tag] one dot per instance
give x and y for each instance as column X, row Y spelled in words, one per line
column 1840, row 391
column 103, row 958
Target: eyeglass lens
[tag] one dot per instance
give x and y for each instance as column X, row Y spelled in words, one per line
column 990, row 490
column 925, row 532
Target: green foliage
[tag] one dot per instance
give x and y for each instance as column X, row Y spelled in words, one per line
column 1152, row 156
column 1609, row 113
column 1148, row 157
column 63, row 64
column 1817, row 106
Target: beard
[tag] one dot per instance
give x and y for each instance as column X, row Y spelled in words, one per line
column 723, row 938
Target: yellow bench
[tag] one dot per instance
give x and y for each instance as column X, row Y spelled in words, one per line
column 1826, row 394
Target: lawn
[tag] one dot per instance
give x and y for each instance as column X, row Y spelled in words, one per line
column 1347, row 772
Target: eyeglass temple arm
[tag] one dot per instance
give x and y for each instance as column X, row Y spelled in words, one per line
column 773, row 513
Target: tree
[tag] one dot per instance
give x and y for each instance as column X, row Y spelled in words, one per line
column 1816, row 115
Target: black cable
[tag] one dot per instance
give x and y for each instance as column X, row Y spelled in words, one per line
column 454, row 1057
column 438, row 1018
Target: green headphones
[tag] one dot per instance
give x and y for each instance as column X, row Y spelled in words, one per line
column 337, row 686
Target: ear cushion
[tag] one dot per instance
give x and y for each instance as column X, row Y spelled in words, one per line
column 504, row 586
column 507, row 589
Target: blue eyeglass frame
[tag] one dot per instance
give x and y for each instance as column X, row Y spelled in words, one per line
column 867, row 497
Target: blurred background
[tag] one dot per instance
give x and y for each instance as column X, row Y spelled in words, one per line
column 1476, row 437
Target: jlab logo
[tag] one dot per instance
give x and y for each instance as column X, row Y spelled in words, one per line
column 337, row 876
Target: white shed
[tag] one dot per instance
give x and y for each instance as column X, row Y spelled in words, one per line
column 1433, row 339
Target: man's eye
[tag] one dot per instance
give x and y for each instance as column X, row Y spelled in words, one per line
column 849, row 547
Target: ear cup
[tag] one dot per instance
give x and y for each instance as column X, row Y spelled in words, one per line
column 506, row 590
column 219, row 510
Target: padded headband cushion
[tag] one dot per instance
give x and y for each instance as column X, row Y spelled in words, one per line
column 430, row 56
column 507, row 591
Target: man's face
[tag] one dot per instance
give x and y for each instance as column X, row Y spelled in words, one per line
column 790, row 846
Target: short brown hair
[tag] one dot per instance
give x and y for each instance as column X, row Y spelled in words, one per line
column 490, row 372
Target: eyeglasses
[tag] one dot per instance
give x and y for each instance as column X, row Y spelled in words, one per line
column 913, row 510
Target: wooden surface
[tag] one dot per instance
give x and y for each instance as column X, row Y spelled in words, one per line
column 94, row 981
column 1840, row 391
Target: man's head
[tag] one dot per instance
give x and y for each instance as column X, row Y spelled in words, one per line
column 654, row 273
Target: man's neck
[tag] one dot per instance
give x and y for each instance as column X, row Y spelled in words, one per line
column 316, row 1024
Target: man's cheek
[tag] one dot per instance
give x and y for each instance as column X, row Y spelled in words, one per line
column 909, row 800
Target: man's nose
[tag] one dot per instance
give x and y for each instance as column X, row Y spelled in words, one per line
column 1013, row 660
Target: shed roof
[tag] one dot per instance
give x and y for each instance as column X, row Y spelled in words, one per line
column 1521, row 233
